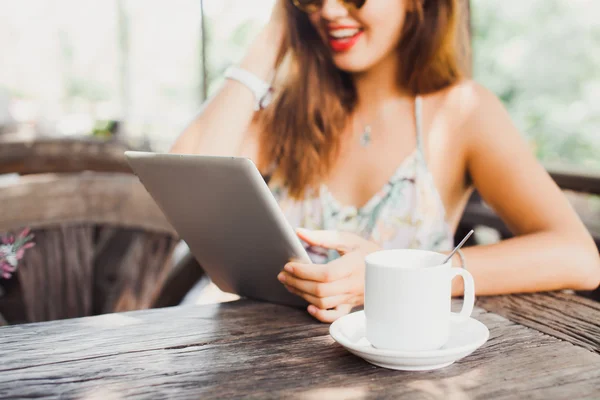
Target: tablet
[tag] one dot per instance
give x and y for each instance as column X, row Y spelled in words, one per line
column 223, row 209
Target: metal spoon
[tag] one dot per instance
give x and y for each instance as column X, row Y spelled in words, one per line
column 459, row 246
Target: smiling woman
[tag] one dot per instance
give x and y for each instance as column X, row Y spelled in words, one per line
column 326, row 52
column 374, row 138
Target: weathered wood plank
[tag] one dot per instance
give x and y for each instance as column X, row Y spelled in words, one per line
column 56, row 275
column 83, row 198
column 182, row 278
column 12, row 306
column 248, row 349
column 130, row 269
column 562, row 315
column 103, row 245
column 37, row 155
column 575, row 178
column 66, row 275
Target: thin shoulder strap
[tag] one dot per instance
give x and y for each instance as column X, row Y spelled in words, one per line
column 419, row 124
column 420, row 152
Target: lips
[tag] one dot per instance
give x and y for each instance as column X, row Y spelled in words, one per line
column 343, row 38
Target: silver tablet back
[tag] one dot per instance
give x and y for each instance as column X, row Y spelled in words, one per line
column 224, row 211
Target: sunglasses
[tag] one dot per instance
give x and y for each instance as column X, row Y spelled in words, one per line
column 311, row 6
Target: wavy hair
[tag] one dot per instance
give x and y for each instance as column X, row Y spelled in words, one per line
column 302, row 128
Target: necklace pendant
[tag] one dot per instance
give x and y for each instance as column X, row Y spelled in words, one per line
column 365, row 138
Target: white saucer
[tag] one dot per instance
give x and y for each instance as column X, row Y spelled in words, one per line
column 465, row 338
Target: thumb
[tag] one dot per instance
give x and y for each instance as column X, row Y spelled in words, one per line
column 343, row 242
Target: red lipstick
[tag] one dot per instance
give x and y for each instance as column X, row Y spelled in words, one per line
column 343, row 38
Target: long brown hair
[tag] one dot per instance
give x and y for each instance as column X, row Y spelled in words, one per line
column 303, row 126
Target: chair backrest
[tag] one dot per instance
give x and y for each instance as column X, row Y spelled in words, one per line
column 35, row 155
column 100, row 198
column 101, row 243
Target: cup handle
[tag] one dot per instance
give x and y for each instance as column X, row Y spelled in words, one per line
column 469, row 295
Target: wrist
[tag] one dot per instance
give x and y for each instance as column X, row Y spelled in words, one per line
column 260, row 89
column 262, row 54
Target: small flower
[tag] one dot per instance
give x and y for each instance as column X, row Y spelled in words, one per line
column 24, row 233
column 11, row 259
column 6, row 270
column 5, row 250
column 8, row 239
column 6, row 267
column 12, row 251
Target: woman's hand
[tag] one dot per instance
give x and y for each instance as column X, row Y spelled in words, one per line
column 335, row 288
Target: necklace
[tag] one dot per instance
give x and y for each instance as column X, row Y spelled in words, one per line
column 365, row 137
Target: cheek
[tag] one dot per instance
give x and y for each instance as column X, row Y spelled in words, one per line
column 383, row 19
column 384, row 30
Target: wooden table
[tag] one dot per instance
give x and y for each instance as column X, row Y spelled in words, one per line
column 255, row 350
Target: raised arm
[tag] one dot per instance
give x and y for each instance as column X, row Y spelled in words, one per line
column 552, row 249
column 225, row 124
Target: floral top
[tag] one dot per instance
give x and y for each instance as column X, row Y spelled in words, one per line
column 406, row 213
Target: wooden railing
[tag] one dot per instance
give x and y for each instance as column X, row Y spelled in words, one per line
column 575, row 179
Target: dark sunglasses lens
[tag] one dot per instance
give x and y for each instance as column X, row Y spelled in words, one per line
column 315, row 5
column 355, row 3
column 308, row 5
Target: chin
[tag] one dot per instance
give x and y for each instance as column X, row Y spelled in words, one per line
column 351, row 64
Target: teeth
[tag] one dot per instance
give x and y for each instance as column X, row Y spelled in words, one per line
column 343, row 33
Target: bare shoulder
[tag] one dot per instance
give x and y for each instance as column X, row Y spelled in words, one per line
column 470, row 91
column 475, row 112
column 469, row 101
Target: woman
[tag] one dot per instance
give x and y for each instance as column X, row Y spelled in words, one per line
column 374, row 139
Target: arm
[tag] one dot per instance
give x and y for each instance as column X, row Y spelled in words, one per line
column 225, row 124
column 552, row 249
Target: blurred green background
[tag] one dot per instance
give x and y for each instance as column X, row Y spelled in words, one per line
column 71, row 67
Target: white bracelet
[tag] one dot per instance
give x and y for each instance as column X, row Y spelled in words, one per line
column 261, row 90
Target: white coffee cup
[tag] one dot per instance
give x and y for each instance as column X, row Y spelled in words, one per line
column 408, row 299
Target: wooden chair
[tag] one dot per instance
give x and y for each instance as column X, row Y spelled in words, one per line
column 102, row 244
column 39, row 154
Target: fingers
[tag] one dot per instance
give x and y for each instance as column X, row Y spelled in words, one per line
column 337, row 269
column 343, row 242
column 328, row 316
column 321, row 302
column 317, row 289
